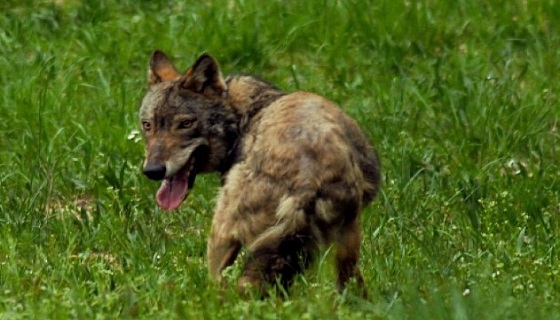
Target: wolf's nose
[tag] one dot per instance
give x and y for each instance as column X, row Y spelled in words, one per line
column 154, row 171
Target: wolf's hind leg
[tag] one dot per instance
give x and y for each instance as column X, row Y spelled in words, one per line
column 277, row 262
column 347, row 255
column 222, row 253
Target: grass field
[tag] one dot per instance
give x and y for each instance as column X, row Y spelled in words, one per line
column 461, row 99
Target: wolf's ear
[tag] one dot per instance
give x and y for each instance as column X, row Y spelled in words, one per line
column 161, row 69
column 205, row 77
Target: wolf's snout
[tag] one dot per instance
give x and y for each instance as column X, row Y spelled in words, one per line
column 154, row 171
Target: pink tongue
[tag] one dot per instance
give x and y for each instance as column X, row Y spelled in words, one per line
column 171, row 193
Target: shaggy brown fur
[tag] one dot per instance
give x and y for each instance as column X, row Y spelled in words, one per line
column 296, row 170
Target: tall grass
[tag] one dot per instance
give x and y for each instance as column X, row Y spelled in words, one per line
column 460, row 99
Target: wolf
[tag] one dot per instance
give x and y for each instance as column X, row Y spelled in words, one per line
column 296, row 171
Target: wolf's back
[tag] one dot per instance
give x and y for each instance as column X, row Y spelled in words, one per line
column 312, row 123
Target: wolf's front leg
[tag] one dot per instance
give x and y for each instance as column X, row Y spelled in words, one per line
column 222, row 252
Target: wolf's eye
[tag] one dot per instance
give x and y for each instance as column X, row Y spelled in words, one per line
column 146, row 125
column 185, row 124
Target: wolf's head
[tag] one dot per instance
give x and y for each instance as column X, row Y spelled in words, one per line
column 186, row 126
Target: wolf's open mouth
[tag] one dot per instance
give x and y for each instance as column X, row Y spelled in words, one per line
column 175, row 189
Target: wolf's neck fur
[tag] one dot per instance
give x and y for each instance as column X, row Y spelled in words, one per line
column 248, row 95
